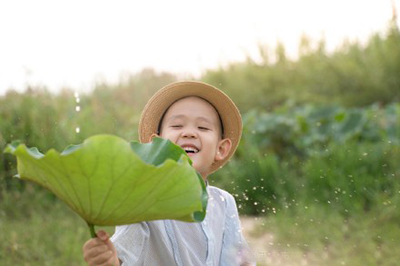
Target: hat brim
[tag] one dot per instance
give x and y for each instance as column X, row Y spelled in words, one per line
column 165, row 97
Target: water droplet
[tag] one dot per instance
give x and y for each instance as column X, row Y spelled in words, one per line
column 77, row 130
column 77, row 108
column 255, row 203
column 76, row 94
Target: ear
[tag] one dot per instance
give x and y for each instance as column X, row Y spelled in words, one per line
column 223, row 149
column 153, row 136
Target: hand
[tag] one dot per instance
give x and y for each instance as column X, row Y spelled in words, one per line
column 100, row 251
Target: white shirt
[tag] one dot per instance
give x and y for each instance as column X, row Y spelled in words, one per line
column 217, row 240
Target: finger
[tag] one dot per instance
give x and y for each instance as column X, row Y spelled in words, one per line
column 103, row 258
column 111, row 246
column 92, row 243
column 102, row 235
column 110, row 262
column 105, row 237
column 88, row 247
column 96, row 251
column 90, row 254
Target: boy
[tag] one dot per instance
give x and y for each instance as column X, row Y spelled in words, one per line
column 207, row 125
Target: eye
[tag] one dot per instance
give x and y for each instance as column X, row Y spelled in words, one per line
column 176, row 126
column 204, row 128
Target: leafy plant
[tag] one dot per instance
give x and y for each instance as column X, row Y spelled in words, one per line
column 109, row 181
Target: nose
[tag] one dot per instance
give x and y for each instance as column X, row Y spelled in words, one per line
column 189, row 133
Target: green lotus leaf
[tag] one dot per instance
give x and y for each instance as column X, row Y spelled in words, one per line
column 109, row 181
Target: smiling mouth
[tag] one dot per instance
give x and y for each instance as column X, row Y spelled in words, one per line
column 190, row 150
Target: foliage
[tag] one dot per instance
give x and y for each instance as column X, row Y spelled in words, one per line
column 38, row 118
column 299, row 117
column 341, row 158
column 301, row 129
column 353, row 75
column 317, row 236
column 107, row 181
column 311, row 234
column 320, row 149
column 36, row 230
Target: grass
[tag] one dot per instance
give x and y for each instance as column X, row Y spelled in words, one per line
column 36, row 229
column 317, row 236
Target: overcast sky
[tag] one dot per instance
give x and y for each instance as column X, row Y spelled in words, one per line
column 73, row 43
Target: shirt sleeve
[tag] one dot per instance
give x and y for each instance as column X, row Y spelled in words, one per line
column 235, row 250
column 129, row 241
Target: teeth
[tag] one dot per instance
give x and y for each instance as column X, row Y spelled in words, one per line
column 191, row 149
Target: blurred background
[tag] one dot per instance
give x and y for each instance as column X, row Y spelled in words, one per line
column 316, row 176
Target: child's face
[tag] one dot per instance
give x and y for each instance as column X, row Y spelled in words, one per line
column 193, row 124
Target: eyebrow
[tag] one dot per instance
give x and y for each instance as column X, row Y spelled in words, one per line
column 175, row 117
column 201, row 118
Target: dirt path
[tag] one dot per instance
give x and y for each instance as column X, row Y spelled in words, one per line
column 265, row 248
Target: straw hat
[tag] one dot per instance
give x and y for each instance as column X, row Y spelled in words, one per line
column 165, row 97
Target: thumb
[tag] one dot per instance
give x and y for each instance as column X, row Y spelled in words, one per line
column 102, row 235
column 106, row 239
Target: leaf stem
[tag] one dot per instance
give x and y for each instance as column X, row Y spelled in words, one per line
column 91, row 229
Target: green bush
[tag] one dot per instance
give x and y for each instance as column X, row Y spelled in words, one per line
column 353, row 177
column 353, row 75
column 342, row 159
column 260, row 182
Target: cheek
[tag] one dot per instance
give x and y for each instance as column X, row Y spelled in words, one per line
column 212, row 146
column 168, row 135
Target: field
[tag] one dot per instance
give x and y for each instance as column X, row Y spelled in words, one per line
column 37, row 230
column 316, row 176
